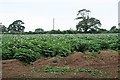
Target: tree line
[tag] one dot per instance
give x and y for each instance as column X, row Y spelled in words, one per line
column 86, row 24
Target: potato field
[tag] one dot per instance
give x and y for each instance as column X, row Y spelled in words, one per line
column 60, row 56
column 29, row 48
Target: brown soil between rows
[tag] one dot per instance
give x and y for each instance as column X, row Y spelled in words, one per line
column 105, row 61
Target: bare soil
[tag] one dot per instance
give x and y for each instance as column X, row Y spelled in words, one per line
column 106, row 61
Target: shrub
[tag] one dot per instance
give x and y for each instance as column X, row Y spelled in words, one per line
column 7, row 54
column 82, row 47
column 26, row 55
column 104, row 45
column 64, row 52
column 94, row 47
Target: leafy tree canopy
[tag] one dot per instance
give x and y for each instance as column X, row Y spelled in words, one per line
column 39, row 30
column 87, row 23
column 16, row 26
column 3, row 28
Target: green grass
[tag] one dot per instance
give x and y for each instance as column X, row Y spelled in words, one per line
column 51, row 69
column 56, row 69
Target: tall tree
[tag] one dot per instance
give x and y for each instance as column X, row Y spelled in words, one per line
column 16, row 26
column 87, row 23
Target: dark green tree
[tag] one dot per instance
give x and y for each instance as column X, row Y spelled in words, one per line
column 39, row 30
column 102, row 31
column 3, row 29
column 114, row 29
column 87, row 23
column 16, row 26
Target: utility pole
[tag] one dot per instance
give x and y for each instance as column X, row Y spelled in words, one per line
column 53, row 23
column 119, row 14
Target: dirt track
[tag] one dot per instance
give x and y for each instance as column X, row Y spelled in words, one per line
column 105, row 61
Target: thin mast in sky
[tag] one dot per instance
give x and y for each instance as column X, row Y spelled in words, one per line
column 53, row 23
column 119, row 14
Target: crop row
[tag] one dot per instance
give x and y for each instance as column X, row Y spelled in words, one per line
column 51, row 69
column 28, row 48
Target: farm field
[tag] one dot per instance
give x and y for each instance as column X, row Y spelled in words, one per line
column 60, row 56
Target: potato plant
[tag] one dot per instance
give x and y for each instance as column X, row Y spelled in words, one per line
column 29, row 48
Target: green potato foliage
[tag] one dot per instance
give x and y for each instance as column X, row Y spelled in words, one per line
column 29, row 48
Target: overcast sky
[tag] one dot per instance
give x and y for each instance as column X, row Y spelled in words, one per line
column 39, row 13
